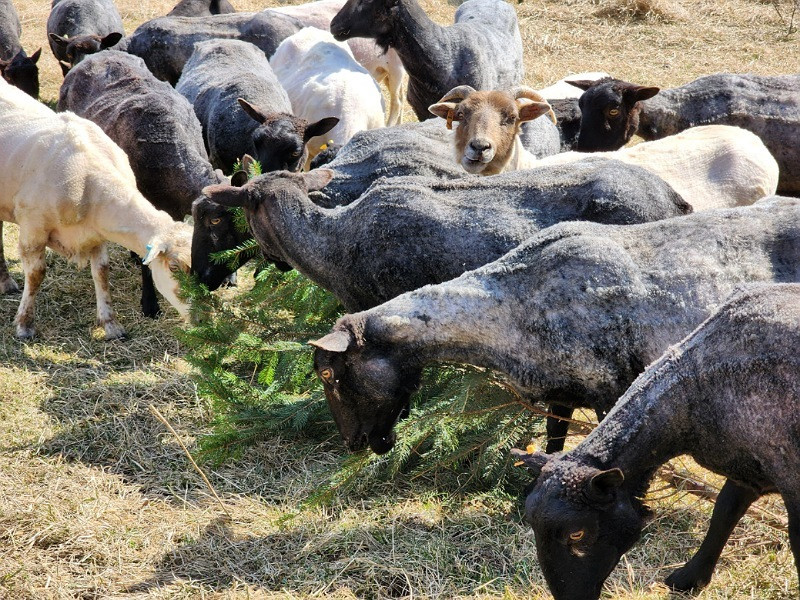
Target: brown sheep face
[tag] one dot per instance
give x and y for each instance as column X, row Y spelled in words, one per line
column 488, row 124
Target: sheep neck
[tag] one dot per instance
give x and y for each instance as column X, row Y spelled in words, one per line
column 650, row 424
column 442, row 324
column 520, row 158
column 420, row 43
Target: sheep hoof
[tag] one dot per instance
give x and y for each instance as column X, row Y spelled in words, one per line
column 8, row 286
column 151, row 311
column 688, row 578
column 114, row 331
column 25, row 332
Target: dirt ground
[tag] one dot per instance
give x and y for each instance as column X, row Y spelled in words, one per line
column 98, row 501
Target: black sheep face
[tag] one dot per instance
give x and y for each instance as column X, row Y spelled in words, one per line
column 21, row 71
column 368, row 391
column 584, row 520
column 609, row 113
column 214, row 231
column 365, row 18
column 79, row 47
column 278, row 146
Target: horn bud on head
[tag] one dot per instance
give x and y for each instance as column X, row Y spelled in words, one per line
column 445, row 108
column 524, row 91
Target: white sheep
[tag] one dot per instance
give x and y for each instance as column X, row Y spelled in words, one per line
column 385, row 66
column 322, row 80
column 714, row 166
column 69, row 187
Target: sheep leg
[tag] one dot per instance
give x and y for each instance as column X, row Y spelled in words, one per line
column 793, row 509
column 32, row 254
column 105, row 313
column 557, row 427
column 732, row 502
column 150, row 306
column 7, row 284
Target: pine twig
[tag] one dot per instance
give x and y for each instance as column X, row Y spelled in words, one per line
column 197, row 468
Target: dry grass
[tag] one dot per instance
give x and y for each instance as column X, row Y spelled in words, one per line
column 97, row 500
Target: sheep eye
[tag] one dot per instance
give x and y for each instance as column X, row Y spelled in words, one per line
column 174, row 268
column 614, row 112
column 296, row 154
column 576, row 536
column 216, row 221
column 326, row 375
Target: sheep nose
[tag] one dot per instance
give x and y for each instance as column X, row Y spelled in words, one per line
column 480, row 145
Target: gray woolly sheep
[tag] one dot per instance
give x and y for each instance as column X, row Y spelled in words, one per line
column 404, row 233
column 729, row 396
column 77, row 28
column 243, row 109
column 16, row 67
column 483, row 47
column 166, row 43
column 572, row 316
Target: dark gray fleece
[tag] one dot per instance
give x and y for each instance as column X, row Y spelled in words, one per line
column 10, row 30
column 767, row 106
column 482, row 48
column 580, row 309
column 70, row 18
column 201, row 8
column 149, row 120
column 219, row 72
column 407, row 232
column 166, row 43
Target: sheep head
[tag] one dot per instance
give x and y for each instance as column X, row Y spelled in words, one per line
column 488, row 124
column 366, row 18
column 609, row 112
column 21, row 71
column 75, row 49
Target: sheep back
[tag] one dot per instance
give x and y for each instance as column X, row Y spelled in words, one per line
column 148, row 119
column 167, row 43
column 10, row 30
column 219, row 72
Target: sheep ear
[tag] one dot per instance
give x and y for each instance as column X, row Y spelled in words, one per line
column 59, row 41
column 604, row 484
column 583, row 84
column 534, row 462
column 239, row 178
column 65, row 67
column 35, row 56
column 153, row 249
column 443, row 110
column 111, row 39
column 321, row 127
column 530, row 110
column 317, row 179
column 227, row 195
column 640, row 92
column 255, row 113
column 338, row 340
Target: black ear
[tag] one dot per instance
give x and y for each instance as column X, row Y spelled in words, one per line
column 227, row 195
column 255, row 113
column 338, row 340
column 35, row 56
column 321, row 127
column 59, row 41
column 604, row 484
column 533, row 461
column 583, row 84
column 65, row 67
column 110, row 40
column 634, row 93
column 239, row 178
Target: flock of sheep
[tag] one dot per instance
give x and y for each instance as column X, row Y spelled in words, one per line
column 486, row 236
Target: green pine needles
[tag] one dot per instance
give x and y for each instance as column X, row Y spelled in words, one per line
column 252, row 363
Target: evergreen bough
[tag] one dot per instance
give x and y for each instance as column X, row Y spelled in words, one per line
column 253, row 364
